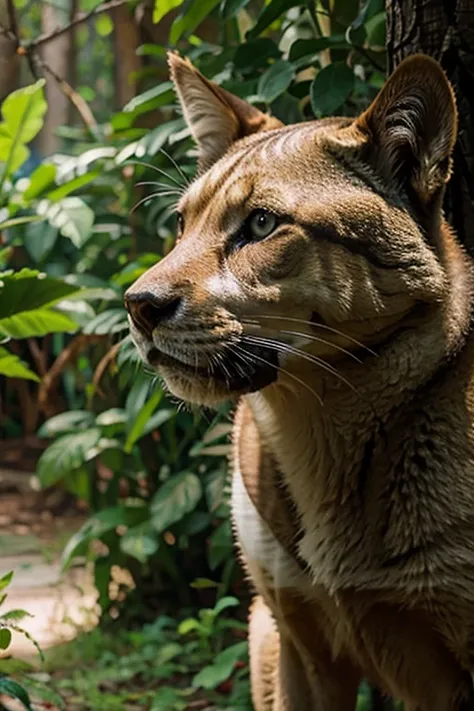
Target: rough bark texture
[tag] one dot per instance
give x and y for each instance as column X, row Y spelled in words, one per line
column 444, row 29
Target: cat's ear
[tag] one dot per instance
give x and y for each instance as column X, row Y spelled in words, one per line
column 411, row 127
column 216, row 117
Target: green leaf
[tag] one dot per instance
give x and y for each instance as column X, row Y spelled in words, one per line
column 176, row 497
column 98, row 525
column 15, row 615
column 255, row 54
column 331, row 87
column 195, row 13
column 29, row 289
column 40, row 179
column 275, row 80
column 108, row 322
column 204, row 584
column 143, row 417
column 13, row 367
column 140, row 542
column 39, row 239
column 5, row 580
column 163, row 7
column 5, row 638
column 104, row 25
column 30, row 324
column 221, row 669
column 271, row 12
column 311, row 47
column 66, row 422
column 23, row 112
column 224, row 604
column 66, row 454
column 72, row 217
column 164, row 92
column 220, row 545
column 15, row 691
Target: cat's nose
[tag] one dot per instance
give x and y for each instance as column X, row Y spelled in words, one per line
column 150, row 309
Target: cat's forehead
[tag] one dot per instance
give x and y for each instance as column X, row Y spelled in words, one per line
column 281, row 158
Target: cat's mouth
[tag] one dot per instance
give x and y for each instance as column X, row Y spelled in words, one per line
column 232, row 371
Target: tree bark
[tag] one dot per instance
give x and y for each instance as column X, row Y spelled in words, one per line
column 55, row 54
column 9, row 59
column 127, row 62
column 444, row 29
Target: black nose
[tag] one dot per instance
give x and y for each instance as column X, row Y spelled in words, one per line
column 148, row 310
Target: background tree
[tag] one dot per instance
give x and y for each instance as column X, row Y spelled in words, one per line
column 444, row 29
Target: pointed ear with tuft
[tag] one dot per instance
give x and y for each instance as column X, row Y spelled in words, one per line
column 216, row 117
column 411, row 128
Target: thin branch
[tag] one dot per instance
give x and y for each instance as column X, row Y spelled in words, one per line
column 83, row 17
column 81, row 105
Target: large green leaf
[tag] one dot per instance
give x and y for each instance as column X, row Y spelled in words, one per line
column 65, row 455
column 275, row 80
column 192, row 18
column 175, row 498
column 39, row 322
column 23, row 113
column 163, row 7
column 13, row 367
column 29, row 289
column 331, row 87
column 71, row 216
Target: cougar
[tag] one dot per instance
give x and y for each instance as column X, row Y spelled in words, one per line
column 316, row 284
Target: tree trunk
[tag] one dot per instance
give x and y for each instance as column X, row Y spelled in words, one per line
column 9, row 59
column 55, row 54
column 127, row 39
column 444, row 29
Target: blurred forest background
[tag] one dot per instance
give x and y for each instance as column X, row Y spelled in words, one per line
column 92, row 151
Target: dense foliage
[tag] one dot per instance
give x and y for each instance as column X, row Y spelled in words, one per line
column 79, row 227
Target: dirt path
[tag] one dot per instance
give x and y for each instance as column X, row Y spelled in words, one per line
column 31, row 539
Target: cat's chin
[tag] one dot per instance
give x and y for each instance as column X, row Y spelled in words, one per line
column 209, row 391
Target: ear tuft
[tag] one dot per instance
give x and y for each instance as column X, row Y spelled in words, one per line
column 412, row 125
column 215, row 117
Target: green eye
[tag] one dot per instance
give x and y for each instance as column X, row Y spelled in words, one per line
column 262, row 223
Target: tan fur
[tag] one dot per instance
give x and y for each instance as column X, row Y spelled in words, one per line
column 353, row 489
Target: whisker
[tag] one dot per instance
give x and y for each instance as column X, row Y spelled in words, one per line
column 238, row 349
column 150, row 197
column 161, row 185
column 316, row 325
column 144, row 164
column 178, row 168
column 310, row 337
column 285, row 348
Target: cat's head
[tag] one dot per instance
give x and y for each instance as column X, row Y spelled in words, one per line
column 316, row 235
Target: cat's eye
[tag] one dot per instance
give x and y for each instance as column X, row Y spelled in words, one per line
column 261, row 223
column 180, row 223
